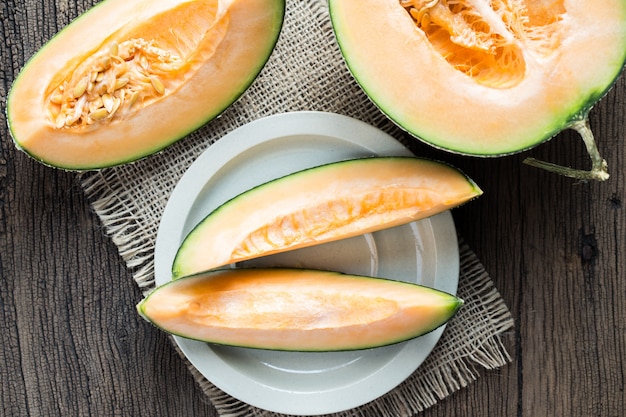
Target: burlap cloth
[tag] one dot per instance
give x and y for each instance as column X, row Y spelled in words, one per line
column 305, row 72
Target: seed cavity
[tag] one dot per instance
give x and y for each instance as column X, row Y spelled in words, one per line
column 364, row 208
column 490, row 41
column 110, row 83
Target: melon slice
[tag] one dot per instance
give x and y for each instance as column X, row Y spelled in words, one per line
column 296, row 309
column 322, row 204
column 486, row 78
column 128, row 78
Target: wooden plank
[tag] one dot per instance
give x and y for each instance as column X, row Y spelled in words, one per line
column 73, row 345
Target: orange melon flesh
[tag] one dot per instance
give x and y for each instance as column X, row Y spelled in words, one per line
column 504, row 82
column 319, row 205
column 299, row 310
column 203, row 54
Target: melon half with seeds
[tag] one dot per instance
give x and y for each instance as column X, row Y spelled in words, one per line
column 486, row 78
column 130, row 77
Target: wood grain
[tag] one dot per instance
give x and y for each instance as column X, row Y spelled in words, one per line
column 72, row 344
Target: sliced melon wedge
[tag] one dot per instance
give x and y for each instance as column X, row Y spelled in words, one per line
column 319, row 205
column 486, row 78
column 128, row 78
column 296, row 309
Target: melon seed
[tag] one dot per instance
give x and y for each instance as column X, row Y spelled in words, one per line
column 80, row 88
column 101, row 113
column 157, row 84
column 114, row 48
column 56, row 98
column 107, row 101
column 121, row 82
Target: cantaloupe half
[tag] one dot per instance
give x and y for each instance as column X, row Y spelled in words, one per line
column 296, row 309
column 128, row 78
column 322, row 204
column 485, row 78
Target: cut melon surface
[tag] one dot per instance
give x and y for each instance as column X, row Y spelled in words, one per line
column 319, row 205
column 296, row 309
column 485, row 78
column 128, row 78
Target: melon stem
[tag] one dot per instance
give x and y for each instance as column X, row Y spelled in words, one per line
column 599, row 168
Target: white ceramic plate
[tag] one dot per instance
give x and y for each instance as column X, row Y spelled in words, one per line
column 424, row 252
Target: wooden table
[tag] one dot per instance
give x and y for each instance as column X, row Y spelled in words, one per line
column 73, row 345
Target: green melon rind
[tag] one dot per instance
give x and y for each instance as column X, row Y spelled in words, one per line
column 575, row 113
column 179, row 259
column 278, row 19
column 454, row 304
